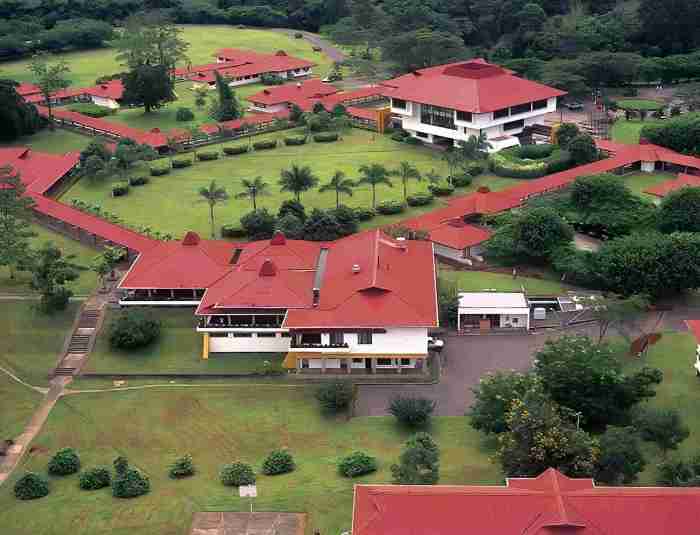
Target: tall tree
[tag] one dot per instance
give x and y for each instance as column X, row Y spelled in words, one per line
column 226, row 107
column 419, row 463
column 405, row 172
column 476, row 147
column 373, row 175
column 105, row 263
column 621, row 457
column 51, row 270
column 422, row 48
column 15, row 214
column 17, row 117
column 339, row 184
column 680, row 211
column 150, row 86
column 252, row 189
column 297, row 179
column 49, row 77
column 213, row 195
column 151, row 39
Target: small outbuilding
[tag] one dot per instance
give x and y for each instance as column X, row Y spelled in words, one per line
column 493, row 310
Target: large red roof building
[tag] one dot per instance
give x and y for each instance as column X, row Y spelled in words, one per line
column 550, row 504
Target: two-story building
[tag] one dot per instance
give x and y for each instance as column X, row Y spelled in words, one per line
column 448, row 104
column 361, row 304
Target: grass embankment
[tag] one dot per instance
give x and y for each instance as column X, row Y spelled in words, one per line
column 624, row 131
column 480, row 281
column 638, row 182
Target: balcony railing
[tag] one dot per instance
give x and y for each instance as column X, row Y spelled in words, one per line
column 209, row 324
column 306, row 345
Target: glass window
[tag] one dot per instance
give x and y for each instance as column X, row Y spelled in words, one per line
column 521, row 108
column 437, row 116
column 514, row 125
column 304, row 363
column 242, row 335
column 364, row 337
column 465, row 116
column 358, row 361
column 337, row 338
column 405, row 362
column 398, row 103
column 500, row 114
column 421, row 134
column 539, row 104
column 266, row 335
column 385, row 362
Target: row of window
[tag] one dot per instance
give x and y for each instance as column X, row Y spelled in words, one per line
column 444, row 117
column 437, row 116
column 520, row 108
column 336, row 338
column 249, row 335
column 380, row 362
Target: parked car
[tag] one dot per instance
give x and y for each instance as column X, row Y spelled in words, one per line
column 435, row 344
column 696, row 365
column 574, row 105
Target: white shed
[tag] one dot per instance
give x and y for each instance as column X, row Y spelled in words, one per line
column 493, row 310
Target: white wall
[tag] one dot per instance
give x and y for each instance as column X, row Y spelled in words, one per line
column 106, row 102
column 522, row 321
column 229, row 344
column 397, row 341
column 269, row 109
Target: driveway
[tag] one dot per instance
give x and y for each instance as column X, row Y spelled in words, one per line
column 465, row 359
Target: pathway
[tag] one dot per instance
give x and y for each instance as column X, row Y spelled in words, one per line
column 334, row 53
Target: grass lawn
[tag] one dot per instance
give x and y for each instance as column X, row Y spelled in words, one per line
column 83, row 285
column 217, row 426
column 178, row 350
column 628, row 131
column 638, row 182
column 639, row 104
column 176, row 193
column 58, row 141
column 204, row 40
column 18, row 403
column 477, row 281
column 30, row 341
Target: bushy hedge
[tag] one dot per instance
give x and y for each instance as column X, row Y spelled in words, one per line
column 278, row 462
column 133, row 329
column 364, row 214
column 390, row 207
column 91, row 110
column 95, row 478
column 441, row 190
column 520, row 162
column 475, row 169
column 184, row 114
column 64, row 462
column 265, row 145
column 182, row 467
column 181, row 163
column 159, row 171
column 327, row 137
column 232, row 231
column 681, row 133
column 207, row 156
column 560, row 162
column 120, row 189
column 237, row 474
column 410, row 140
column 461, row 181
column 357, row 464
column 128, row 482
column 138, row 180
column 536, row 152
column 419, row 199
column 233, row 151
column 31, row 486
column 412, row 412
column 300, row 140
column 335, row 396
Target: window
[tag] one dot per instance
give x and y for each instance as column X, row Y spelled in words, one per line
column 242, row 335
column 398, row 103
column 514, row 125
column 311, row 338
column 266, row 335
column 521, row 108
column 539, row 104
column 358, row 361
column 364, row 337
column 218, row 335
column 405, row 362
column 304, row 363
column 385, row 362
column 337, row 338
column 500, row 114
column 465, row 116
column 421, row 134
column 437, row 116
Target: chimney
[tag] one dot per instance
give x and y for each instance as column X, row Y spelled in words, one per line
column 298, row 85
column 356, row 268
column 316, row 297
column 268, row 269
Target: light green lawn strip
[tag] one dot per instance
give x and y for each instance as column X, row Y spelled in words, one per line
column 638, row 182
column 18, row 403
column 639, row 104
column 477, row 281
column 628, row 131
column 217, row 426
column 58, row 141
column 178, row 350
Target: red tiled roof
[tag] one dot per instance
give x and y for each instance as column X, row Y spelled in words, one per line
column 362, row 113
column 293, row 93
column 682, row 181
column 546, row 505
column 472, row 86
column 25, row 88
column 694, row 327
column 38, row 170
column 112, row 89
column 249, row 119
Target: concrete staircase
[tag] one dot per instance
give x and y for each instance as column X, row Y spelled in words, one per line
column 81, row 339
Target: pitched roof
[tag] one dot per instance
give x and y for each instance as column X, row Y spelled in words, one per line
column 471, row 86
column 546, row 505
column 293, row 93
column 682, row 181
column 38, row 170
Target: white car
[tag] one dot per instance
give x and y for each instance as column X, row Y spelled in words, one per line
column 435, row 344
column 696, row 365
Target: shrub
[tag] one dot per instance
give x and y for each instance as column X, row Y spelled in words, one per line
column 461, row 181
column 412, row 141
column 231, row 230
column 321, row 225
column 182, row 467
column 441, row 190
column 346, row 218
column 207, row 156
column 419, row 199
column 396, row 136
column 536, row 152
column 184, row 114
column 159, row 171
column 91, row 110
column 271, row 79
column 326, row 137
column 265, row 145
column 506, row 163
column 298, row 35
column 565, row 133
column 133, row 329
column 237, row 474
column 295, row 140
column 293, row 207
column 259, row 224
column 291, row 226
column 31, row 486
column 665, row 427
column 357, row 464
column 120, row 189
column 582, row 149
column 64, row 462
column 364, row 214
column 559, row 163
column 335, row 396
column 128, row 482
column 95, row 478
column 412, row 412
column 138, row 181
column 278, row 462
column 233, row 151
column 390, row 207
column 181, row 163
column 475, row 169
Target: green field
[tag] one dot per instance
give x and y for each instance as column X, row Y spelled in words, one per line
column 178, row 350
column 157, row 203
column 218, row 425
column 628, row 131
column 31, row 341
column 478, row 281
column 18, row 403
column 638, row 182
column 639, row 104
column 204, row 40
column 59, row 141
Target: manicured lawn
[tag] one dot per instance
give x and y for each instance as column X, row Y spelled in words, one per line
column 638, row 182
column 217, row 426
column 628, row 131
column 156, row 203
column 477, row 281
column 83, row 285
column 18, row 403
column 58, row 141
column 204, row 40
column 639, row 104
column 30, row 341
column 178, row 350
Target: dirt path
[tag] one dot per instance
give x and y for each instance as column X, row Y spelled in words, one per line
column 334, row 53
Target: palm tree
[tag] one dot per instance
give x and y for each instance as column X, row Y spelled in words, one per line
column 213, row 195
column 297, row 179
column 253, row 188
column 406, row 172
column 476, row 147
column 373, row 175
column 454, row 159
column 339, row 184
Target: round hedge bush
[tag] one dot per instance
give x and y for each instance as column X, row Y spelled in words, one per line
column 133, row 329
column 419, row 199
column 64, row 462
column 364, row 214
column 182, row 467
column 128, row 482
column 336, row 395
column 529, row 161
column 390, row 207
column 278, row 462
column 441, row 190
column 95, row 478
column 357, row 464
column 237, row 474
column 184, row 114
column 461, row 181
column 31, row 486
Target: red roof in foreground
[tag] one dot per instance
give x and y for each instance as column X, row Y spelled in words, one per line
column 682, row 181
column 38, row 170
column 550, row 504
column 694, row 327
column 472, row 86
